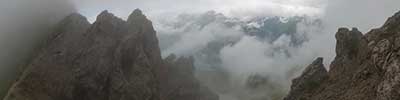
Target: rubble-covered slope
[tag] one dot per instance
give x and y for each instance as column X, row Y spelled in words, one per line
column 366, row 67
column 111, row 59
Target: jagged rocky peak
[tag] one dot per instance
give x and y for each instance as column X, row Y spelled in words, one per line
column 137, row 13
column 72, row 21
column 137, row 17
column 316, row 67
column 347, row 41
column 310, row 79
column 68, row 31
column 91, row 66
column 108, row 25
column 109, row 18
column 105, row 15
column 138, row 22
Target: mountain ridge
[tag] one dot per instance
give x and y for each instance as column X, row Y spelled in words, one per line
column 111, row 59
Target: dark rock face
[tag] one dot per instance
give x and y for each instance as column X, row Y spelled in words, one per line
column 366, row 67
column 111, row 59
column 347, row 41
column 311, row 77
column 181, row 83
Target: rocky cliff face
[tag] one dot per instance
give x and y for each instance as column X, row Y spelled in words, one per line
column 366, row 67
column 111, row 59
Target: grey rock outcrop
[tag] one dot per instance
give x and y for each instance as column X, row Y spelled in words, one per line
column 111, row 59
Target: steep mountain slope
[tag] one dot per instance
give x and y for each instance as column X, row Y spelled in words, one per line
column 111, row 59
column 366, row 67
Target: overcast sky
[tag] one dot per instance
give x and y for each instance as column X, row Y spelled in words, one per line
column 237, row 8
column 350, row 13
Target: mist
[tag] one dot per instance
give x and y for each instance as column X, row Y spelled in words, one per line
column 210, row 30
column 24, row 25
